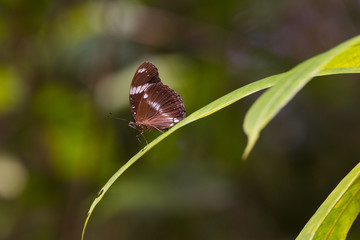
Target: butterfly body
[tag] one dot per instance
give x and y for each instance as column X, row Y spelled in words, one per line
column 153, row 104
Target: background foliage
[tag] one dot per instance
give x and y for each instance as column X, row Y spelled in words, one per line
column 66, row 64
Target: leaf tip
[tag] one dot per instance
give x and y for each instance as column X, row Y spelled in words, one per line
column 250, row 144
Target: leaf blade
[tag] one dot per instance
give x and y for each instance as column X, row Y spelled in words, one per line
column 335, row 216
column 291, row 82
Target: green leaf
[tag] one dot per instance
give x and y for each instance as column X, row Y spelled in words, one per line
column 340, row 59
column 347, row 59
column 335, row 216
column 224, row 102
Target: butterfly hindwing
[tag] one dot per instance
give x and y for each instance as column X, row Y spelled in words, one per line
column 160, row 107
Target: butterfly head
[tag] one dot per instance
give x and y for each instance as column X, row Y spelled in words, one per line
column 140, row 127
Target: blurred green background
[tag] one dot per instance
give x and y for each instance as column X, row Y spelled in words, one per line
column 64, row 65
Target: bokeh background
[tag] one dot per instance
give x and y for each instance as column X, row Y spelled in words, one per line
column 64, row 65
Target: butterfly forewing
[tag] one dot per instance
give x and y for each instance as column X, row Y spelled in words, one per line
column 145, row 75
column 153, row 104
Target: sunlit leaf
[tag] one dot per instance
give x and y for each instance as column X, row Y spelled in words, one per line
column 344, row 56
column 335, row 216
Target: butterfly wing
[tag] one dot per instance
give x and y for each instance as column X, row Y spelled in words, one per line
column 145, row 75
column 160, row 107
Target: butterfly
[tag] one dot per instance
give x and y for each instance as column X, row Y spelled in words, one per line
column 153, row 105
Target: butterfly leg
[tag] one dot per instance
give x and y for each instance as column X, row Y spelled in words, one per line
column 142, row 134
column 137, row 137
column 162, row 131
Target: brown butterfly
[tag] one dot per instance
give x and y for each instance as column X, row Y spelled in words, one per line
column 153, row 104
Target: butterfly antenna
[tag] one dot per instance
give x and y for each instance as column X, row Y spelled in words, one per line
column 112, row 117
